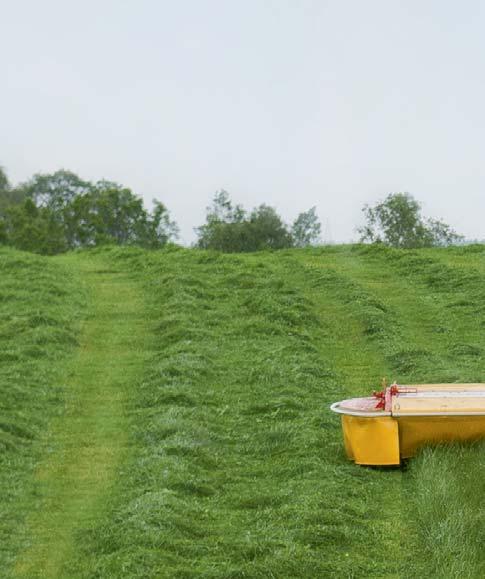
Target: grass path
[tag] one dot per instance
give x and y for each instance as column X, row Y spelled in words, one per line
column 360, row 364
column 86, row 443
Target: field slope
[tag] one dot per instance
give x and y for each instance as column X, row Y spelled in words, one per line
column 181, row 424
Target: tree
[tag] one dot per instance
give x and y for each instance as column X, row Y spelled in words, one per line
column 56, row 212
column 57, row 192
column 229, row 228
column 54, row 190
column 267, row 230
column 161, row 228
column 4, row 184
column 397, row 222
column 442, row 234
column 8, row 198
column 225, row 226
column 114, row 215
column 31, row 228
column 8, row 195
column 4, row 191
column 223, row 211
column 306, row 228
column 111, row 213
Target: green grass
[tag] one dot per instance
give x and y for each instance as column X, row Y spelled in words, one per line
column 40, row 311
column 87, row 443
column 194, row 439
column 447, row 487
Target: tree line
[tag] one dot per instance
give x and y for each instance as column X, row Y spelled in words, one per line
column 58, row 212
column 53, row 213
column 230, row 228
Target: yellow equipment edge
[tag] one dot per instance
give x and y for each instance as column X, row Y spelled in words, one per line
column 384, row 440
column 418, row 415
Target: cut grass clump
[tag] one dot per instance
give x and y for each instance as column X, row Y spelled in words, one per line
column 377, row 319
column 411, row 362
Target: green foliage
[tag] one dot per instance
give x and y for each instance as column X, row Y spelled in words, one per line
column 441, row 234
column 8, row 197
column 55, row 212
column 397, row 222
column 266, row 230
column 34, row 229
column 110, row 214
column 160, row 228
column 225, row 228
column 54, row 190
column 306, row 229
column 229, row 228
column 56, row 194
column 4, row 183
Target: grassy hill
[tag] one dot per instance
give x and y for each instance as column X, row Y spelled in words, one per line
column 165, row 414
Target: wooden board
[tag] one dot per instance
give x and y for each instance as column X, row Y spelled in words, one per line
column 445, row 387
column 439, row 398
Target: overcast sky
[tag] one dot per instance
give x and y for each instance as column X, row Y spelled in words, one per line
column 293, row 103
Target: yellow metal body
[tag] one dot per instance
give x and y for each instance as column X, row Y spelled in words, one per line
column 386, row 440
column 371, row 441
column 416, row 431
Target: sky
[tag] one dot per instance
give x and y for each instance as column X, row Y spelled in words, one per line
column 292, row 103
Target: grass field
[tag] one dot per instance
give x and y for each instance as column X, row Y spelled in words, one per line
column 165, row 414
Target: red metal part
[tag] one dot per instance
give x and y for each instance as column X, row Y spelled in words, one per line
column 381, row 397
column 384, row 397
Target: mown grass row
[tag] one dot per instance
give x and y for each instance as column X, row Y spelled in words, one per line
column 237, row 467
column 40, row 309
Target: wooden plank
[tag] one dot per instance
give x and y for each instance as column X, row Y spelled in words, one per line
column 409, row 404
column 445, row 387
